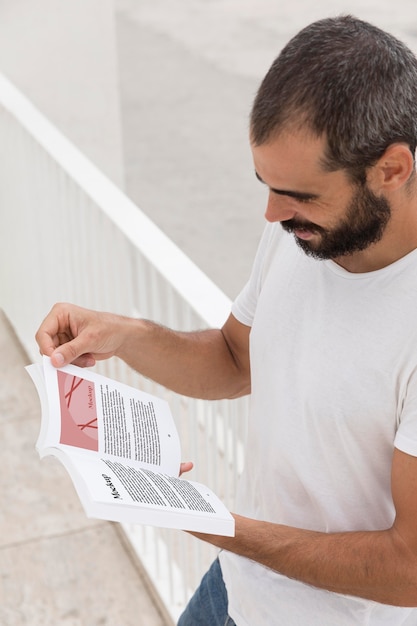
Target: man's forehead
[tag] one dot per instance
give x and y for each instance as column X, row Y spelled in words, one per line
column 298, row 139
column 289, row 154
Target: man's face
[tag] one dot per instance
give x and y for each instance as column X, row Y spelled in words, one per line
column 329, row 216
column 366, row 217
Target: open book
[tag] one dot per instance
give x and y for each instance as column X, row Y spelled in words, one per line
column 121, row 449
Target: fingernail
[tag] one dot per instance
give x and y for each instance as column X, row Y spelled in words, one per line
column 58, row 359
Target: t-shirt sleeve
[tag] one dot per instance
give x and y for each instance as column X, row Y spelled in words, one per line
column 405, row 441
column 406, row 435
column 244, row 307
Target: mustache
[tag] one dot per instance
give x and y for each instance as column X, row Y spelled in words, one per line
column 291, row 225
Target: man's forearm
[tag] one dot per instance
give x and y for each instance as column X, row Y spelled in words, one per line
column 376, row 565
column 196, row 364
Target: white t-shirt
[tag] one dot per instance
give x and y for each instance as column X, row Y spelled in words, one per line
column 334, row 389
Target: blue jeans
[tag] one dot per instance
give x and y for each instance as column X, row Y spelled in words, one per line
column 208, row 606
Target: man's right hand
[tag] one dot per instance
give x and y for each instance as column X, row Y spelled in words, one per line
column 72, row 334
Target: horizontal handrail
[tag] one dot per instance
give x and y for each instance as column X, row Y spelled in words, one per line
column 68, row 233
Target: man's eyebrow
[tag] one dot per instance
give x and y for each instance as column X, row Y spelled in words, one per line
column 298, row 195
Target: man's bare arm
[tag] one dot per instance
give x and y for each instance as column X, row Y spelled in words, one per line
column 377, row 565
column 210, row 364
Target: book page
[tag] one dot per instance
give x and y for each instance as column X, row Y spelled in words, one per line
column 121, row 491
column 108, row 417
column 121, row 449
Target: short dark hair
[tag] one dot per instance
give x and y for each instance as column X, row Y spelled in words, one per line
column 347, row 80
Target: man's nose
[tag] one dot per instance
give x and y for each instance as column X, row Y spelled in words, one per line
column 278, row 209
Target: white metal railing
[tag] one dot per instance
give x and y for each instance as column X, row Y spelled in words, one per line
column 68, row 234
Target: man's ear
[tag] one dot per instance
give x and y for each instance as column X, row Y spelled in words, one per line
column 393, row 169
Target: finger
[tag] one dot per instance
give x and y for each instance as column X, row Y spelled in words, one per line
column 85, row 360
column 73, row 351
column 46, row 342
column 52, row 332
column 186, row 467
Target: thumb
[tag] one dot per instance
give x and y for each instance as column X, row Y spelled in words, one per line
column 72, row 352
column 186, row 467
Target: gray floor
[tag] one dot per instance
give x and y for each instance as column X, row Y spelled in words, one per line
column 56, row 566
column 188, row 72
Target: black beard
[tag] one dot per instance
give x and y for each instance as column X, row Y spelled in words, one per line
column 365, row 222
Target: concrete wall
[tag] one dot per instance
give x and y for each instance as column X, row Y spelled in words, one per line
column 62, row 55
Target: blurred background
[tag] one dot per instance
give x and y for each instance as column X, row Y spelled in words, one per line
column 157, row 93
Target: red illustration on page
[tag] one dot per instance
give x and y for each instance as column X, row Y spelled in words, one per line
column 78, row 412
